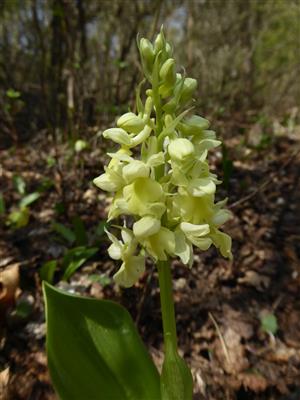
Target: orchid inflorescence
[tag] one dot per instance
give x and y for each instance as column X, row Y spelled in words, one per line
column 160, row 176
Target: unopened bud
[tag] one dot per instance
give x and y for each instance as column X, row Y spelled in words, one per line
column 148, row 108
column 188, row 89
column 169, row 50
column 167, row 72
column 130, row 122
column 160, row 42
column 147, row 54
column 193, row 125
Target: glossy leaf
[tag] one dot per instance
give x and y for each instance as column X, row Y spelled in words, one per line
column 95, row 352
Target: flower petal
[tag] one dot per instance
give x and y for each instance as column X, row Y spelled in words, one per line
column 202, row 186
column 130, row 271
column 183, row 249
column 195, row 230
column 223, row 242
column 161, row 244
column 118, row 135
column 135, row 169
column 146, row 226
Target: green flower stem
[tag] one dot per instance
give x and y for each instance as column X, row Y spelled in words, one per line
column 176, row 382
column 167, row 305
column 158, row 111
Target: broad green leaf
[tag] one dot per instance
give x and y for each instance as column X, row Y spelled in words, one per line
column 29, row 199
column 75, row 258
column 63, row 231
column 94, row 351
column 47, row 270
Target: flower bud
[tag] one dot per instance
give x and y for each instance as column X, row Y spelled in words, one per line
column 168, row 49
column 160, row 42
column 193, row 125
column 149, row 92
column 165, row 91
column 188, row 89
column 147, row 54
column 148, row 108
column 167, row 72
column 180, row 149
column 131, row 123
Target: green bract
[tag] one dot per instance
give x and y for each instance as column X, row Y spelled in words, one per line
column 159, row 175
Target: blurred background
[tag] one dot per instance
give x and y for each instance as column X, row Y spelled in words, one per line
column 68, row 69
column 66, row 65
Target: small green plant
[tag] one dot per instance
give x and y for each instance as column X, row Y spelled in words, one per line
column 268, row 323
column 164, row 193
column 19, row 216
column 82, row 248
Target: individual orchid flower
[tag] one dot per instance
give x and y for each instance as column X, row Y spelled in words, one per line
column 133, row 266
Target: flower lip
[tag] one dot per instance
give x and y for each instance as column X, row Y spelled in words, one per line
column 118, row 135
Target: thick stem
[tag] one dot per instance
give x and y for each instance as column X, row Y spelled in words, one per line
column 167, row 305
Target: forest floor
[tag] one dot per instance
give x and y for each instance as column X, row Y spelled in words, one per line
column 238, row 322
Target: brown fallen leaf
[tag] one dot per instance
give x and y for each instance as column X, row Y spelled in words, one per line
column 9, row 285
column 4, row 378
column 234, row 359
column 283, row 354
column 253, row 381
column 252, row 278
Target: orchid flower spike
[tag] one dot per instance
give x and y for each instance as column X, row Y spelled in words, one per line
column 159, row 176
